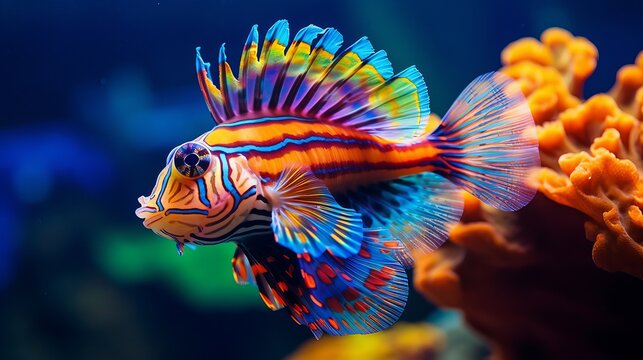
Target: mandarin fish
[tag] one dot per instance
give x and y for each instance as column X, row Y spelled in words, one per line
column 321, row 171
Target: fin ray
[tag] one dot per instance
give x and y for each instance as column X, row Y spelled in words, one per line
column 487, row 142
column 356, row 88
column 362, row 294
column 248, row 70
column 241, row 268
column 417, row 210
column 307, row 219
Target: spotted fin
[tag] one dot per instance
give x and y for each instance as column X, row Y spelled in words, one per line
column 276, row 270
column 241, row 269
column 307, row 219
column 487, row 142
column 271, row 269
column 362, row 294
column 418, row 210
column 356, row 88
column 269, row 294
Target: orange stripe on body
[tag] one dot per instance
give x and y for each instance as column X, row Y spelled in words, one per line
column 374, row 159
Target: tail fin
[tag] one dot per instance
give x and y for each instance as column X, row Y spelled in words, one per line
column 488, row 142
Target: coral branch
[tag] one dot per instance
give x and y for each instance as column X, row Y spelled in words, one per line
column 628, row 90
column 532, row 270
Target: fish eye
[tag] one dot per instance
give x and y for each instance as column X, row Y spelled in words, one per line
column 192, row 159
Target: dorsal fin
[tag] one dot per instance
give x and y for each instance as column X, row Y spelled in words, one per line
column 355, row 88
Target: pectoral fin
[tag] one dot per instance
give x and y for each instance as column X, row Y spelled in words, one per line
column 307, row 219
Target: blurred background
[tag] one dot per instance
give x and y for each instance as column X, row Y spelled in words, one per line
column 96, row 93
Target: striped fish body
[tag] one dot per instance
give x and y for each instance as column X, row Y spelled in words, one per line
column 320, row 170
column 343, row 158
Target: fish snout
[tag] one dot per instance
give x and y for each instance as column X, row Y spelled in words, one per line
column 146, row 210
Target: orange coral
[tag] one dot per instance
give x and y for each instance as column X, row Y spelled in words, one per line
column 530, row 287
column 404, row 341
column 551, row 73
column 591, row 151
column 532, row 270
column 598, row 153
column 628, row 90
column 604, row 183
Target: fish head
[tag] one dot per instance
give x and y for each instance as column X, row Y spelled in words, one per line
column 200, row 196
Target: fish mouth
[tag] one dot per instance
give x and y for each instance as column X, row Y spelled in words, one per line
column 151, row 214
column 149, row 217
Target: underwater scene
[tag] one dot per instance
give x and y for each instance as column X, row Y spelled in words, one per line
column 321, row 180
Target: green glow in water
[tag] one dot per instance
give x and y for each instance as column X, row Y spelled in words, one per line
column 203, row 277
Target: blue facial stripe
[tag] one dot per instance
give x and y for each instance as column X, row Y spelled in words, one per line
column 262, row 120
column 284, row 143
column 203, row 192
column 225, row 176
column 249, row 193
column 163, row 186
column 186, row 211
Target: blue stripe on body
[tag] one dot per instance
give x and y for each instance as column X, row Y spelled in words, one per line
column 278, row 146
column 249, row 193
column 225, row 176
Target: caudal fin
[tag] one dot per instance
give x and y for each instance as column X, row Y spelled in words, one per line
column 488, row 142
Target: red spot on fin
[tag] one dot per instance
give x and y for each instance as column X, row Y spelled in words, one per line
column 258, row 269
column 377, row 278
column 315, row 301
column 350, row 294
column 334, row 304
column 290, row 271
column 361, row 306
column 308, row 279
column 306, row 256
column 391, row 244
column 364, row 253
column 282, row 286
column 326, row 273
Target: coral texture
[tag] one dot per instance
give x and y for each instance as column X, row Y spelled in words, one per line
column 591, row 152
column 598, row 172
column 526, row 280
column 403, row 341
column 552, row 72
